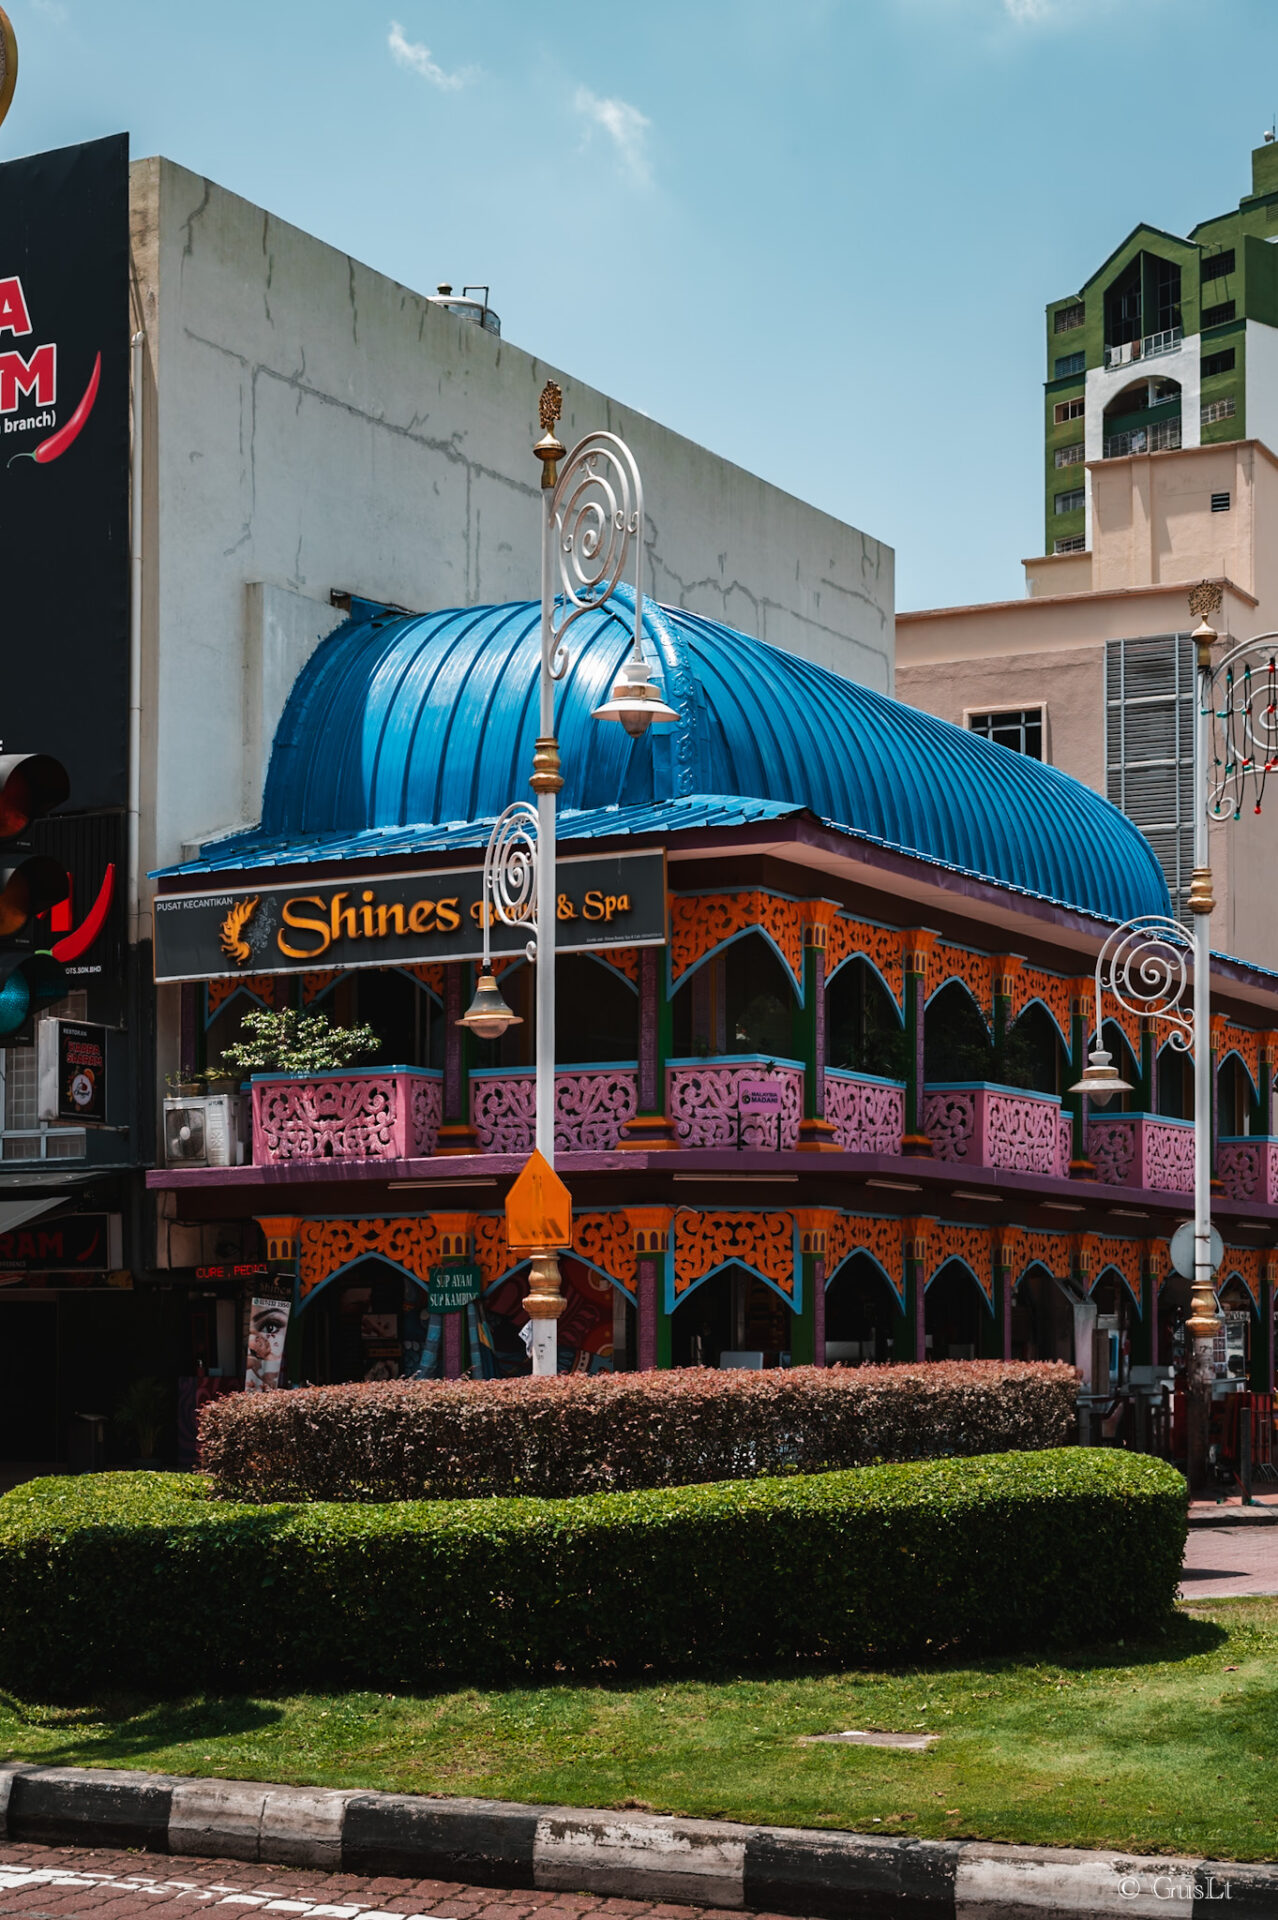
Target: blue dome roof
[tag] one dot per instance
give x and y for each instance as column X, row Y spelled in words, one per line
column 402, row 721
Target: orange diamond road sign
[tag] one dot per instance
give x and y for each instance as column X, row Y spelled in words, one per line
column 538, row 1208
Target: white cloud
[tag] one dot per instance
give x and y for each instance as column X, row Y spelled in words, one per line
column 625, row 126
column 416, row 58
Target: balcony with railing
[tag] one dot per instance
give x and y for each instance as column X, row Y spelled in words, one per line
column 981, row 1125
column 1148, row 348
column 368, row 1114
column 1248, row 1167
column 1160, row 436
column 592, row 1105
column 704, row 1101
column 1142, row 1150
column 867, row 1113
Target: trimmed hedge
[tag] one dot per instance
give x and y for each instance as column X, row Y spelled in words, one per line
column 410, row 1440
column 144, row 1580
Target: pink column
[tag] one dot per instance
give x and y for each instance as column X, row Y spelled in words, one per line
column 452, row 1346
column 818, row 1312
column 646, row 1304
column 1007, row 1314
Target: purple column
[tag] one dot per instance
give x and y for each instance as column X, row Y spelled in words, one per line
column 1007, row 1314
column 920, row 1312
column 456, row 1135
column 452, row 1346
column 816, row 986
column 646, row 1290
column 818, row 1312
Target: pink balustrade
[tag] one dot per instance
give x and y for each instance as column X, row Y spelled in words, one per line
column 1248, row 1168
column 359, row 1114
column 1142, row 1150
column 591, row 1108
column 868, row 1116
column 703, row 1099
column 984, row 1126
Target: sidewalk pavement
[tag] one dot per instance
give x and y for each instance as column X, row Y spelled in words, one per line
column 1229, row 1559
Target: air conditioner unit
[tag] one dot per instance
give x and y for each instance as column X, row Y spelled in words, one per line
column 212, row 1131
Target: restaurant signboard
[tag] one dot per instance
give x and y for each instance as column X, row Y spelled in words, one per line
column 405, row 919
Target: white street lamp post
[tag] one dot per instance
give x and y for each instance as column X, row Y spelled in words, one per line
column 1143, row 962
column 592, row 521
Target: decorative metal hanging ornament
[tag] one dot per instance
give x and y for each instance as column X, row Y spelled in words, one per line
column 1240, row 701
column 1145, row 965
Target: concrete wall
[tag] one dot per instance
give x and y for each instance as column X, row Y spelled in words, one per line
column 312, row 426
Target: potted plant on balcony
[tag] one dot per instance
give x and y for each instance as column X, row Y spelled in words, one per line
column 303, row 1045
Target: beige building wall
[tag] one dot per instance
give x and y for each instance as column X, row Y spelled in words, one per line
column 1154, row 537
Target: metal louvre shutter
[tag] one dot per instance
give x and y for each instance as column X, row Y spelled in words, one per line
column 1149, row 695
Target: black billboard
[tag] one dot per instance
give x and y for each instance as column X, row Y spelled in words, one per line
column 64, row 461
column 612, row 900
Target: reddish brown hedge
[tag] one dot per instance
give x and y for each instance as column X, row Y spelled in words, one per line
column 409, row 1440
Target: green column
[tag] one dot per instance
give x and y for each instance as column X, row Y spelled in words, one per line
column 803, row 1327
column 1143, row 1329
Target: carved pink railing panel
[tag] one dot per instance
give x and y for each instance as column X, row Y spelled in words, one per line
column 591, row 1108
column 1249, row 1169
column 949, row 1121
column 703, row 1101
column 1000, row 1127
column 1141, row 1150
column 345, row 1116
column 868, row 1116
column 1064, row 1143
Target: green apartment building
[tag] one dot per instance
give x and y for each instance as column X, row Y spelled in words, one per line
column 1170, row 343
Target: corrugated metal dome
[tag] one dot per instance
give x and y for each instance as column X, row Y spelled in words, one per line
column 429, row 719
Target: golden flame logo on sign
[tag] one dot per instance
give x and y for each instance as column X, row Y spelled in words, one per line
column 234, row 945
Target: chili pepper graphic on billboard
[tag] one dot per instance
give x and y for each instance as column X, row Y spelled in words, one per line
column 64, row 461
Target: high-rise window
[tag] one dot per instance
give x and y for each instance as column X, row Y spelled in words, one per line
column 1149, row 693
column 1020, row 728
column 1166, row 296
column 1070, row 363
column 1219, row 265
column 1073, row 543
column 1218, row 410
column 1070, row 456
column 1219, row 316
column 1069, row 410
column 1072, row 501
column 1067, row 318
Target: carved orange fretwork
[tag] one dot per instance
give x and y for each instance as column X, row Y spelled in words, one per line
column 1028, row 984
column 1246, row 1264
column 1094, row 1252
column 324, row 1247
column 1021, row 1247
column 700, row 922
column 607, row 1241
column 971, row 1245
column 428, row 974
column 975, row 970
column 881, row 946
column 882, row 1239
column 621, row 959
column 491, row 1253
column 704, row 1241
column 650, row 1228
column 316, row 984
column 258, row 986
column 1227, row 1039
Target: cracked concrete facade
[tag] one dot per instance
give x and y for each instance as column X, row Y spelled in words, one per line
column 310, row 425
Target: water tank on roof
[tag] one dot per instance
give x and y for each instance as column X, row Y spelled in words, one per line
column 477, row 310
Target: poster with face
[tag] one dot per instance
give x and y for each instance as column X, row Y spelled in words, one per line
column 268, row 1324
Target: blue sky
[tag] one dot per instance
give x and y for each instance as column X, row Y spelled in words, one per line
column 815, row 235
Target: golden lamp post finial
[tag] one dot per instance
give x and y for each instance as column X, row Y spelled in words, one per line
column 550, row 449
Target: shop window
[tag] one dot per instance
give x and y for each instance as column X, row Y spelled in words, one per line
column 955, row 1316
column 1042, row 1319
column 863, row 1030
column 596, row 1013
column 741, row 1001
column 1127, row 1066
column 956, row 1041
column 1174, row 1089
column 1235, row 1098
column 864, row 1324
column 732, row 1312
column 399, row 1013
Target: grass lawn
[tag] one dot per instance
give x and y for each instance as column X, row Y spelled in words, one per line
column 1167, row 1747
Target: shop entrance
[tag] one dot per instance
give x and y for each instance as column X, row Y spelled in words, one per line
column 956, row 1318
column 1042, row 1319
column 733, row 1312
column 862, row 1314
column 29, row 1380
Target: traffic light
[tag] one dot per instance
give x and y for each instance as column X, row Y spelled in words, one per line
column 31, row 785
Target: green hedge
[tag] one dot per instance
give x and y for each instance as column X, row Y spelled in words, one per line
column 616, row 1433
column 143, row 1579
